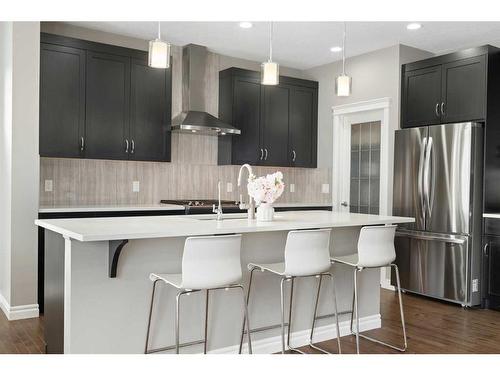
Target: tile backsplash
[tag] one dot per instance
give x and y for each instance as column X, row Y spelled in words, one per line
column 192, row 174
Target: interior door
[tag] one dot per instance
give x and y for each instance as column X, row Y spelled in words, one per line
column 149, row 112
column 408, row 194
column 448, row 177
column 275, row 125
column 464, row 90
column 421, row 97
column 107, row 112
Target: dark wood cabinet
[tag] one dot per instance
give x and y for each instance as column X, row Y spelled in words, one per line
column 150, row 111
column 62, row 101
column 276, row 122
column 491, row 264
column 464, row 90
column 421, row 96
column 102, row 102
column 108, row 106
column 445, row 89
column 303, row 127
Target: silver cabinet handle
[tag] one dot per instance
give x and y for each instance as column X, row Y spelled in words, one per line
column 126, row 147
column 344, row 203
column 265, row 157
column 437, row 109
column 442, row 109
column 485, row 249
column 133, row 147
column 82, row 143
column 427, row 177
column 261, row 154
column 294, row 155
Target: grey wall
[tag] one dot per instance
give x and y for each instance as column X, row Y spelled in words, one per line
column 19, row 71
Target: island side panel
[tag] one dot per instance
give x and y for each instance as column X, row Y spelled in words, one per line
column 54, row 293
column 110, row 315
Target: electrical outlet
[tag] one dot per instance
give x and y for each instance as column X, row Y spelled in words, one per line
column 325, row 188
column 292, row 188
column 48, row 185
column 475, row 285
column 229, row 187
column 135, row 186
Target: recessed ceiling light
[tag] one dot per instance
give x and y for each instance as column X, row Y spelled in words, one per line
column 413, row 26
column 336, row 49
column 246, row 25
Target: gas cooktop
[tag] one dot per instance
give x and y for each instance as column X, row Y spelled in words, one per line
column 201, row 206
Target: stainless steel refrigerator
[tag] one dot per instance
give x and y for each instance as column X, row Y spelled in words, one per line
column 438, row 181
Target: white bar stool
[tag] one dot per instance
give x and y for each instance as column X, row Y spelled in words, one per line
column 375, row 250
column 208, row 263
column 307, row 254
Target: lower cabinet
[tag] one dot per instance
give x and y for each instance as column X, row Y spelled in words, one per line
column 491, row 263
column 100, row 101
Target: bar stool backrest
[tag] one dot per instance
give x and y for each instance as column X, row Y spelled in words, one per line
column 307, row 252
column 211, row 261
column 376, row 246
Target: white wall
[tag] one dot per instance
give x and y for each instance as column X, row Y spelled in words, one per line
column 20, row 166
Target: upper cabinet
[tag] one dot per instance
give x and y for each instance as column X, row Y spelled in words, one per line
column 102, row 102
column 445, row 89
column 278, row 123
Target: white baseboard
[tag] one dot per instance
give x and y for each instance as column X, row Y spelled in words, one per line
column 327, row 332
column 18, row 312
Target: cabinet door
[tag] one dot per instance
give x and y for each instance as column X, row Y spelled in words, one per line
column 275, row 124
column 464, row 90
column 150, row 111
column 246, row 117
column 421, row 97
column 62, row 101
column 107, row 112
column 303, row 127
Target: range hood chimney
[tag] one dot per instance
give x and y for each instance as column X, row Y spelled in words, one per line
column 194, row 118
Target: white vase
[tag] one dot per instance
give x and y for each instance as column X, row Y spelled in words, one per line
column 265, row 212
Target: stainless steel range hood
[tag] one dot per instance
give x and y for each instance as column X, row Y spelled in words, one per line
column 194, row 118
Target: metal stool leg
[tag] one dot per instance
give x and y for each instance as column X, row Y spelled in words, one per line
column 336, row 313
column 246, row 304
column 206, row 323
column 247, row 319
column 150, row 315
column 401, row 349
column 356, row 308
column 177, row 309
column 282, row 289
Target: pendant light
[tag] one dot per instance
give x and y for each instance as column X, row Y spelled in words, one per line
column 343, row 83
column 159, row 52
column 270, row 71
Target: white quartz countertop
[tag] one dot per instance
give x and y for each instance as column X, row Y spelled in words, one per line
column 107, row 208
column 119, row 228
column 148, row 207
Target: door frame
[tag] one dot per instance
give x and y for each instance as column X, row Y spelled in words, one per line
column 344, row 116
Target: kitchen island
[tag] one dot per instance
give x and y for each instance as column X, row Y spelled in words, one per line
column 98, row 290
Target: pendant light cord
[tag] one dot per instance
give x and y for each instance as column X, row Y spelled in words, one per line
column 343, row 51
column 270, row 41
column 159, row 30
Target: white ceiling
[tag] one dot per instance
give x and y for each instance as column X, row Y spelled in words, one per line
column 304, row 45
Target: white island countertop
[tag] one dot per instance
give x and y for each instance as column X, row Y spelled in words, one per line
column 119, row 228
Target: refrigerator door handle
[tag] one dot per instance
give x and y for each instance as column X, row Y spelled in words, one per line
column 431, row 237
column 420, row 182
column 427, row 178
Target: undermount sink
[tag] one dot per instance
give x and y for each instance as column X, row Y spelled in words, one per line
column 224, row 219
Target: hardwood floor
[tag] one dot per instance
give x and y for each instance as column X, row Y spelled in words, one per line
column 431, row 326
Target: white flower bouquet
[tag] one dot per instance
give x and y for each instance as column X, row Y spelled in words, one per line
column 266, row 189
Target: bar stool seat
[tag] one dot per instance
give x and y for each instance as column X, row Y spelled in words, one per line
column 307, row 254
column 209, row 263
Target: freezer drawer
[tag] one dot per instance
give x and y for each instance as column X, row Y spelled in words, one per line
column 434, row 265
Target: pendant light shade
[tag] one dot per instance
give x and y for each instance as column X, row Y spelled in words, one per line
column 270, row 70
column 343, row 83
column 159, row 53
